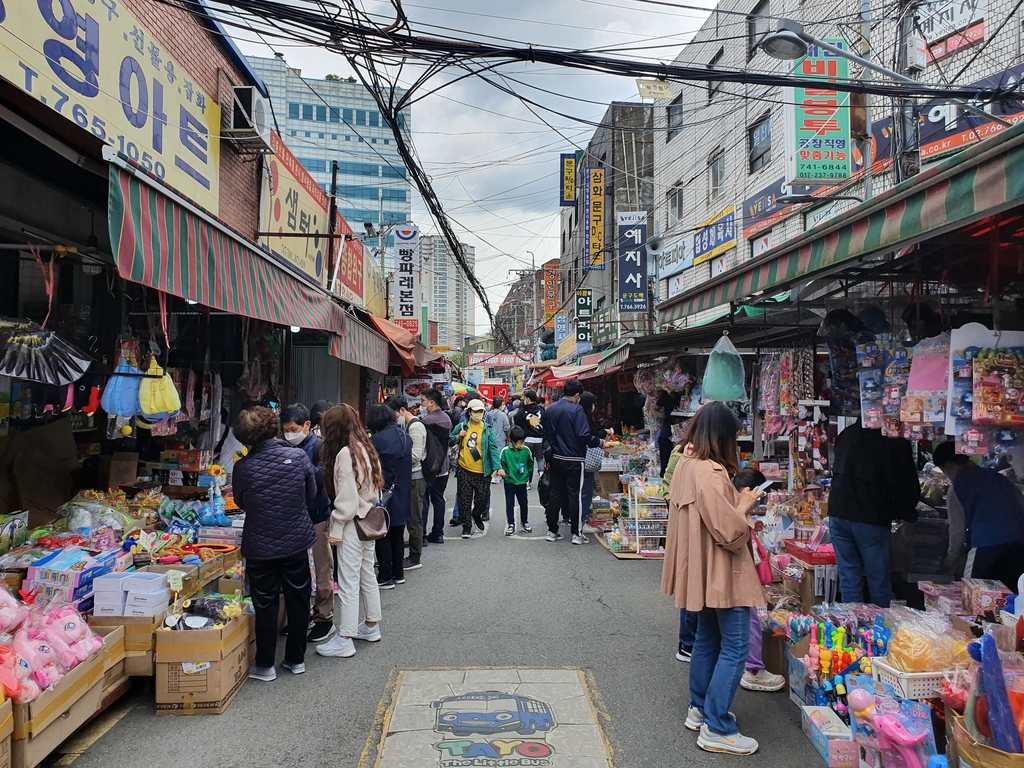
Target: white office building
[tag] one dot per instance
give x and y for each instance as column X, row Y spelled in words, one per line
column 450, row 299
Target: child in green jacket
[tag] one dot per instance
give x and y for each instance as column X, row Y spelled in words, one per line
column 517, row 461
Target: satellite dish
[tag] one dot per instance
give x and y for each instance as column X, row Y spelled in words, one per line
column 655, row 245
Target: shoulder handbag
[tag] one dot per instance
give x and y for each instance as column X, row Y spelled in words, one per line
column 374, row 525
column 593, row 460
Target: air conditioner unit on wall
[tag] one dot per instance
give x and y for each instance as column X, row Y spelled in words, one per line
column 249, row 118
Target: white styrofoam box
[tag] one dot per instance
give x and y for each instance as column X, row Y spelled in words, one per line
column 110, row 582
column 143, row 610
column 99, row 609
column 109, row 598
column 149, row 599
column 146, row 582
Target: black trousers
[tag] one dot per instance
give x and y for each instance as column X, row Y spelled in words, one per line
column 664, row 452
column 514, row 493
column 267, row 580
column 390, row 553
column 566, row 488
column 1001, row 563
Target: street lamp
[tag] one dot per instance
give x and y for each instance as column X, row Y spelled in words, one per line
column 789, row 42
column 797, row 199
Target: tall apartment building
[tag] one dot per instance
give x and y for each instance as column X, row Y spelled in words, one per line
column 624, row 147
column 450, row 299
column 326, row 120
column 721, row 149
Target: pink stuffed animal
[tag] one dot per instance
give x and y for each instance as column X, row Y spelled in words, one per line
column 40, row 656
column 69, row 629
column 12, row 612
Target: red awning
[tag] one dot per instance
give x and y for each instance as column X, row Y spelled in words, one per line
column 403, row 343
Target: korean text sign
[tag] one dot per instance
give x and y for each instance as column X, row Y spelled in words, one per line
column 594, row 200
column 407, row 280
column 550, row 293
column 96, row 65
column 567, row 166
column 633, row 290
column 819, row 148
column 584, row 314
column 715, row 236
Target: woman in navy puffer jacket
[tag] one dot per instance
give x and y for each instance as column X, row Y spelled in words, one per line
column 275, row 485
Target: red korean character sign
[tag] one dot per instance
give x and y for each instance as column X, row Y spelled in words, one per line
column 819, row 148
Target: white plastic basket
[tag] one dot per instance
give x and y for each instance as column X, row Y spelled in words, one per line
column 909, row 685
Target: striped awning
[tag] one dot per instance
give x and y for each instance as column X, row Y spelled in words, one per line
column 983, row 180
column 615, row 357
column 362, row 345
column 160, row 243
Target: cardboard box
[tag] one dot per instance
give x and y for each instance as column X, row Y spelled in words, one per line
column 607, row 483
column 108, row 609
column 774, row 651
column 976, row 755
column 139, row 632
column 982, row 595
column 194, row 461
column 6, row 729
column 227, row 586
column 799, row 683
column 149, row 600
column 211, row 569
column 58, row 592
column 200, row 672
column 190, row 584
column 41, row 725
column 145, row 582
column 830, row 737
column 117, row 470
column 143, row 611
column 139, row 664
column 232, row 558
column 803, row 589
column 110, row 584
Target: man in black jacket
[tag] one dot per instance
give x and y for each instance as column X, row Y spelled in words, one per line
column 297, row 428
column 874, row 481
column 529, row 417
column 567, row 433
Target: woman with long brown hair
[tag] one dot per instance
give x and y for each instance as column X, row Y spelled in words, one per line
column 709, row 569
column 354, row 480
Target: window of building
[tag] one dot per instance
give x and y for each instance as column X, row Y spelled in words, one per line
column 360, row 139
column 360, row 117
column 307, row 134
column 373, row 141
column 716, row 174
column 294, row 133
column 320, row 135
column 675, row 206
column 760, row 140
column 335, row 115
column 307, row 111
column 348, row 138
column 321, row 113
column 674, row 111
column 374, row 120
column 387, row 141
column 334, row 137
column 347, row 116
column 758, row 25
column 293, row 111
column 714, row 88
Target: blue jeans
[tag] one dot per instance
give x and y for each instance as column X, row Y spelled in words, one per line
column 687, row 629
column 862, row 551
column 717, row 666
column 587, row 494
column 435, row 497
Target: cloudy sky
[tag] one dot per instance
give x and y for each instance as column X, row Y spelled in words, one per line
column 493, row 162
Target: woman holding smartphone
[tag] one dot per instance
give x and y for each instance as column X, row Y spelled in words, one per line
column 709, row 569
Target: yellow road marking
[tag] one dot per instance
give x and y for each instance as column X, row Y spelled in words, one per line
column 381, row 721
column 600, row 712
column 77, row 746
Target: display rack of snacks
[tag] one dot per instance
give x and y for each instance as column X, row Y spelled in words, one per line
column 646, row 525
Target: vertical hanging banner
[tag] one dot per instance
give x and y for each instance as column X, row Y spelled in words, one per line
column 567, row 166
column 818, row 148
column 593, row 194
column 584, row 314
column 561, row 327
column 550, row 293
column 633, row 284
column 406, row 303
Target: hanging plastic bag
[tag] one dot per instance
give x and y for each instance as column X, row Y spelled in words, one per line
column 158, row 399
column 724, row 377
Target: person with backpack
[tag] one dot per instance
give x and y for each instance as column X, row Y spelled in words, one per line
column 498, row 419
column 529, row 417
column 394, row 447
column 439, row 426
column 418, row 488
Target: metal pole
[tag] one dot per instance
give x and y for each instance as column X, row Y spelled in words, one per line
column 331, row 216
column 867, row 149
column 909, row 159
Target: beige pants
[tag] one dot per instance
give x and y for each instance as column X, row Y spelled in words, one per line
column 323, row 562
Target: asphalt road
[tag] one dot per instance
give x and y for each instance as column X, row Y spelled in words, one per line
column 488, row 601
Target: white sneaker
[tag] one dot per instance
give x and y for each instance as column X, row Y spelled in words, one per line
column 554, row 536
column 579, row 538
column 369, row 634
column 763, row 681
column 295, row 669
column 736, row 744
column 529, row 486
column 588, row 528
column 495, row 480
column 694, row 719
column 337, row 646
column 266, row 674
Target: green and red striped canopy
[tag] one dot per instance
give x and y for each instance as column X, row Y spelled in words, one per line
column 160, row 243
column 980, row 181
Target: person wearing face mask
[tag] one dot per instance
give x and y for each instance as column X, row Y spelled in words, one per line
column 316, row 413
column 296, row 424
column 478, row 462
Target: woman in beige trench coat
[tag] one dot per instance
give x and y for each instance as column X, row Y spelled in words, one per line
column 709, row 569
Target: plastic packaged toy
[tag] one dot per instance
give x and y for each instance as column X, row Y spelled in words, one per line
column 900, row 731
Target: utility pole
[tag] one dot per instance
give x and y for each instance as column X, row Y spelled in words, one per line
column 332, row 214
column 867, row 147
column 908, row 160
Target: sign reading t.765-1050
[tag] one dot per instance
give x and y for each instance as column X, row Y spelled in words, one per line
column 94, row 63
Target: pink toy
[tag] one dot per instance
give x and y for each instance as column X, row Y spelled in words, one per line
column 892, row 733
column 12, row 612
column 67, row 625
column 40, row 657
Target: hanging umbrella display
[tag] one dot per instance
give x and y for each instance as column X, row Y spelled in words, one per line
column 29, row 352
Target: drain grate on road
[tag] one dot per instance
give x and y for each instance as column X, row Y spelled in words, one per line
column 491, row 718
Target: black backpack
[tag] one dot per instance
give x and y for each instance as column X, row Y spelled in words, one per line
column 436, row 450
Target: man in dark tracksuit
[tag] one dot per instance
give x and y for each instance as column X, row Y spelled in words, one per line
column 568, row 437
